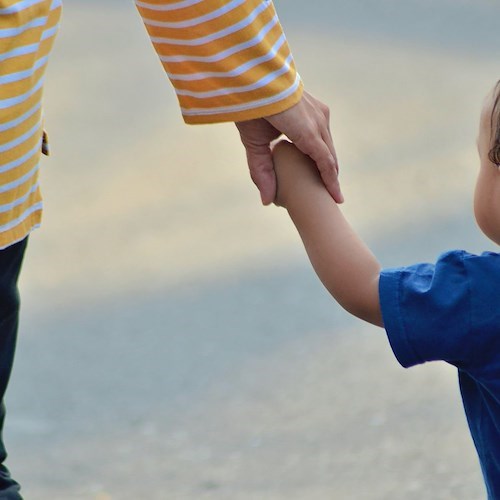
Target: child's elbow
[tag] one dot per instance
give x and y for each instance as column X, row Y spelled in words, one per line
column 365, row 306
column 367, row 312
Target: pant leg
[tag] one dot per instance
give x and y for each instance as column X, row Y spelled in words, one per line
column 11, row 260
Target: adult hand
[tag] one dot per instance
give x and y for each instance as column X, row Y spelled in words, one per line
column 307, row 125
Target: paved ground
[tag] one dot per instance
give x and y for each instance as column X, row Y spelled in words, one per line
column 175, row 343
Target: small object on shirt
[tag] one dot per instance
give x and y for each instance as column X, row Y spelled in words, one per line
column 45, row 144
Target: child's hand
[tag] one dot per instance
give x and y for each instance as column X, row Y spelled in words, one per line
column 293, row 169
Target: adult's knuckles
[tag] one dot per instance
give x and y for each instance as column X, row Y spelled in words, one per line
column 326, row 166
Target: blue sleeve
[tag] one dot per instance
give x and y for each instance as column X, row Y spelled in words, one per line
column 427, row 311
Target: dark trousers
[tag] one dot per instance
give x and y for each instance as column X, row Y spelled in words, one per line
column 11, row 260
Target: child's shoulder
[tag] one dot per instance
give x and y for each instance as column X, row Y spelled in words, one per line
column 473, row 264
column 489, row 259
column 454, row 270
column 481, row 276
column 485, row 258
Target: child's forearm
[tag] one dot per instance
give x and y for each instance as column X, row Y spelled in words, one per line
column 342, row 261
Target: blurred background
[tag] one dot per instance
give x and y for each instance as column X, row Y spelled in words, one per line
column 175, row 343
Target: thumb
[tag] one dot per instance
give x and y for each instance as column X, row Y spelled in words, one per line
column 260, row 163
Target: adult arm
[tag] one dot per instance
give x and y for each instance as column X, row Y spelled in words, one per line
column 343, row 262
column 229, row 61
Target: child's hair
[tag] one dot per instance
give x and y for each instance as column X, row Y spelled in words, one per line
column 494, row 154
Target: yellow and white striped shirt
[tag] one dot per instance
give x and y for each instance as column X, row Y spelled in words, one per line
column 27, row 30
column 228, row 60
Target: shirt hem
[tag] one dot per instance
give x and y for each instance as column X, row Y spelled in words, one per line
column 21, row 231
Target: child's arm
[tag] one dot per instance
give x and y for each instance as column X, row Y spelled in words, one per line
column 342, row 261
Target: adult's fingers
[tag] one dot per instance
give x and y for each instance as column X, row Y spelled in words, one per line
column 328, row 138
column 325, row 130
column 256, row 136
column 315, row 145
column 307, row 125
column 333, row 177
column 261, row 167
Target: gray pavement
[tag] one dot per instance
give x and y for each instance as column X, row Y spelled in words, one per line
column 175, row 343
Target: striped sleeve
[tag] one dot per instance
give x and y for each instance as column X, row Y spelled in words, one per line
column 27, row 32
column 228, row 60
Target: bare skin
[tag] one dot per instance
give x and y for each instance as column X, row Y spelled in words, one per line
column 341, row 259
column 487, row 193
column 307, row 125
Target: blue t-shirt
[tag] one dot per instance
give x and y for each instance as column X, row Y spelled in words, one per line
column 450, row 311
